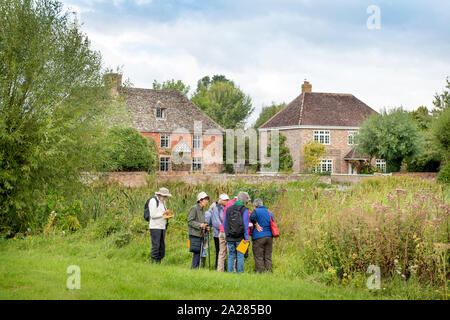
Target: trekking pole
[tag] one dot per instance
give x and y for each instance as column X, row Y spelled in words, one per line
column 209, row 253
column 202, row 236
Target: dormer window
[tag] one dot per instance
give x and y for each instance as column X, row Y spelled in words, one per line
column 161, row 113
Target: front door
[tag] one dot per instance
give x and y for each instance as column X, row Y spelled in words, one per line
column 350, row 169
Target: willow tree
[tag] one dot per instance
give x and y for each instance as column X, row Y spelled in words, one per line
column 54, row 107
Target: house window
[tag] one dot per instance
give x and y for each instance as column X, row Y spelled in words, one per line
column 165, row 141
column 380, row 164
column 197, row 141
column 322, row 136
column 196, row 164
column 161, row 113
column 164, row 164
column 326, row 165
column 351, row 138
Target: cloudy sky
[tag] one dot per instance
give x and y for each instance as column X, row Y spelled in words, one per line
column 268, row 47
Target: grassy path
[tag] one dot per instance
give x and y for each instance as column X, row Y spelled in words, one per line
column 40, row 273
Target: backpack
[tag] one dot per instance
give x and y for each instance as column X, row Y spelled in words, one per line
column 147, row 210
column 235, row 222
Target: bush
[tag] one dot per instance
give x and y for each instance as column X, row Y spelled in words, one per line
column 444, row 174
column 122, row 239
column 129, row 151
column 380, row 224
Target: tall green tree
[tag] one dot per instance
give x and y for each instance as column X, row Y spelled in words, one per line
column 284, row 155
column 442, row 101
column 224, row 102
column 172, row 85
column 268, row 112
column 54, row 104
column 206, row 81
column 441, row 132
column 430, row 156
column 392, row 136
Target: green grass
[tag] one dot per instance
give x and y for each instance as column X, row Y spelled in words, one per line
column 36, row 269
column 112, row 247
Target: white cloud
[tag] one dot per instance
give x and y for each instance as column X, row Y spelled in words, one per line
column 269, row 55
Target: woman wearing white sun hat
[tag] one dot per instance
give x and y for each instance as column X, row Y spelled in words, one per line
column 158, row 223
column 196, row 227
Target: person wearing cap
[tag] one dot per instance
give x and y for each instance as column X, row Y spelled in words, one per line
column 217, row 223
column 158, row 223
column 233, row 240
column 197, row 227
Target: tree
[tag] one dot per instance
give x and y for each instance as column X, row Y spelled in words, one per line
column 225, row 103
column 206, row 82
column 268, row 112
column 285, row 158
column 441, row 132
column 312, row 152
column 128, row 150
column 392, row 136
column 430, row 157
column 422, row 117
column 442, row 101
column 55, row 107
column 172, row 85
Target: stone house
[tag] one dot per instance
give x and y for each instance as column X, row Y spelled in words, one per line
column 188, row 140
column 330, row 118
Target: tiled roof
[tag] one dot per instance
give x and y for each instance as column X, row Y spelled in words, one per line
column 321, row 109
column 352, row 154
column 182, row 147
column 180, row 111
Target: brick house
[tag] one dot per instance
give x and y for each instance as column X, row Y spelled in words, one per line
column 330, row 118
column 188, row 140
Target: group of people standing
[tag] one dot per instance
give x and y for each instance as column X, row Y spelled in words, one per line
column 231, row 224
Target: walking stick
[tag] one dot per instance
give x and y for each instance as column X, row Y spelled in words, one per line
column 202, row 236
column 209, row 254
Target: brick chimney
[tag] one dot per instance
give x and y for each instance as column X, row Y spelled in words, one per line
column 114, row 80
column 306, row 87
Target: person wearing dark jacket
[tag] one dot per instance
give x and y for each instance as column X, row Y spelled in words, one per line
column 197, row 227
column 236, row 230
column 262, row 237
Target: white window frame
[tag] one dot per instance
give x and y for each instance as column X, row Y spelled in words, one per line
column 163, row 113
column 322, row 136
column 380, row 164
column 327, row 163
column 166, row 137
column 197, row 141
column 168, row 163
column 197, row 164
column 351, row 136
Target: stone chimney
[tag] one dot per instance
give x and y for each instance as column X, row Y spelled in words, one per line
column 114, row 81
column 306, row 87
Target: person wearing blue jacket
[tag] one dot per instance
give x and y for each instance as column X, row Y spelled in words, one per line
column 262, row 237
